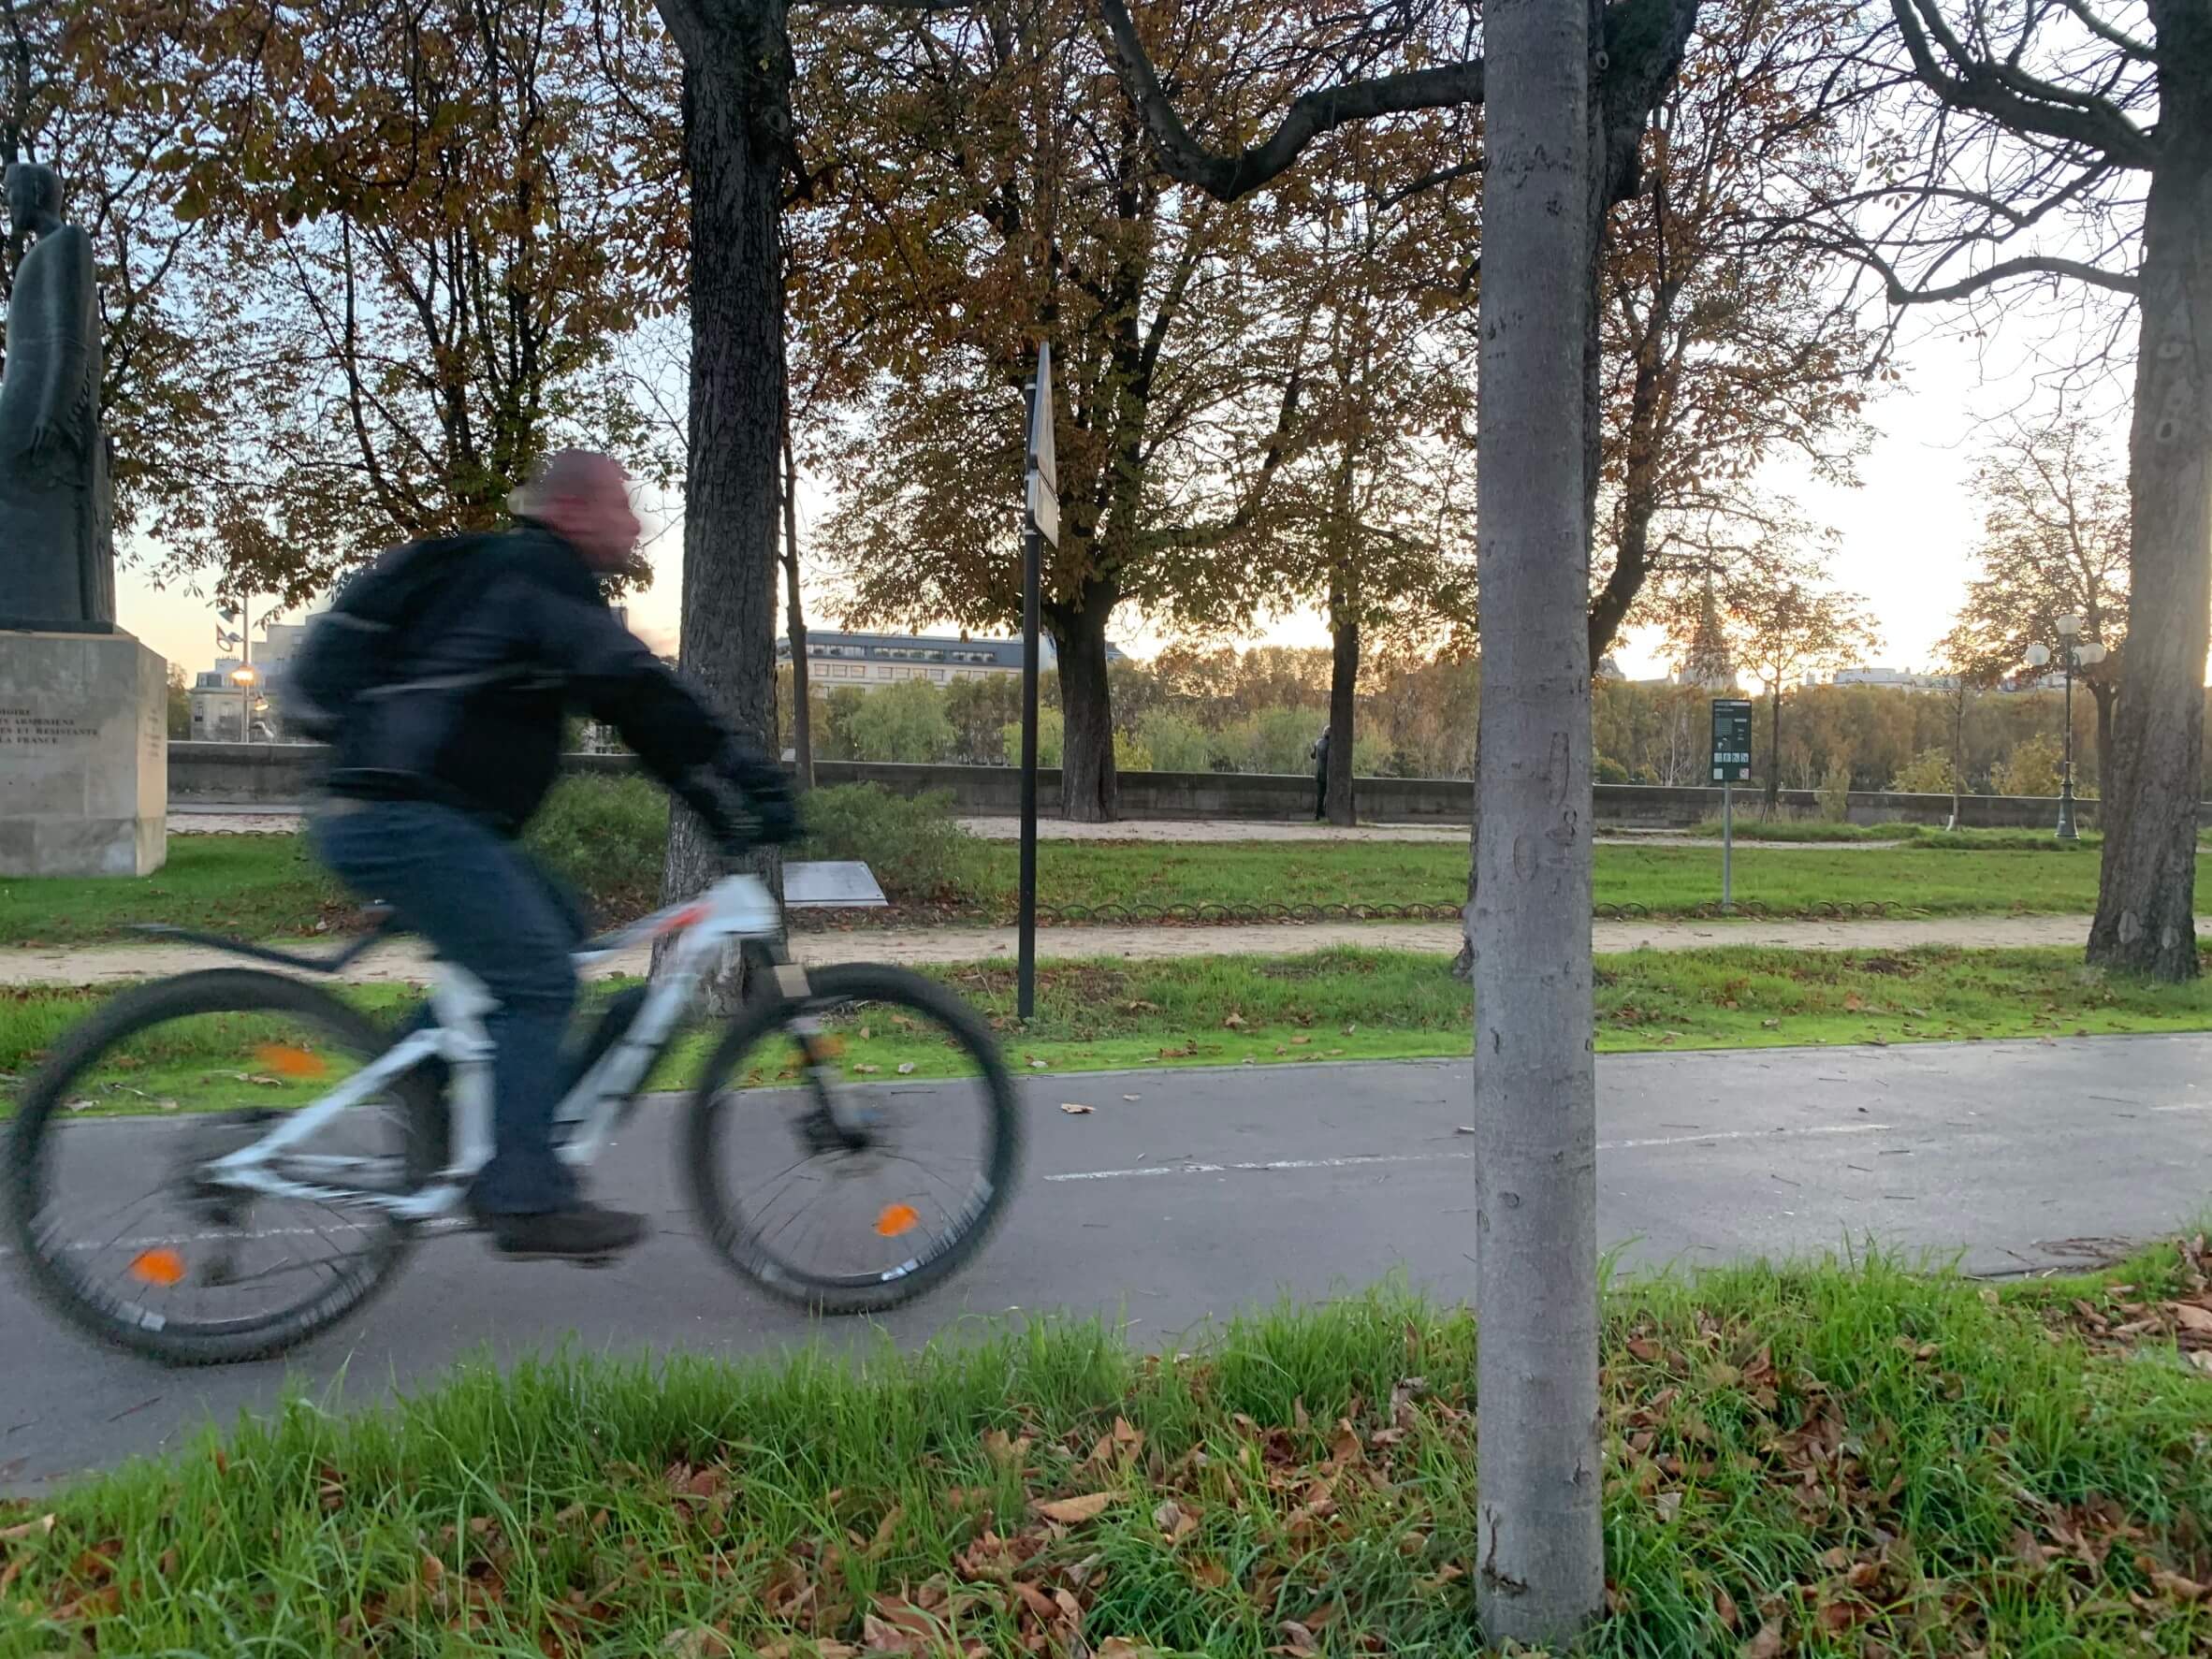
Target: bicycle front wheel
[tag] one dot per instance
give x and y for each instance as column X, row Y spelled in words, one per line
column 114, row 1211
column 851, row 1150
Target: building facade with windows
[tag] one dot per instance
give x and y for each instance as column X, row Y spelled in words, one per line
column 870, row 660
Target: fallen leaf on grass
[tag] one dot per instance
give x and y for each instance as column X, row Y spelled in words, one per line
column 1074, row 1511
column 1853, row 1003
column 1299, row 1041
column 698, row 1642
column 1004, row 1451
column 1039, row 1065
column 1174, row 1521
column 1120, row 1647
column 2201, row 1359
column 905, row 1068
column 1766, row 1645
column 2192, row 1317
column 1298, row 1640
column 1207, row 1573
column 1235, row 1022
column 29, row 1529
column 1074, row 1111
column 864, row 1069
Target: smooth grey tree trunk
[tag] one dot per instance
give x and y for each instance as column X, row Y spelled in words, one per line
column 1540, row 1557
column 794, row 624
column 2146, row 885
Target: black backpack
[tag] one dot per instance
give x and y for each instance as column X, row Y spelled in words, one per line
column 363, row 641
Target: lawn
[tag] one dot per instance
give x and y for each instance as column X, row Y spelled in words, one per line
column 1816, row 1460
column 266, row 886
column 1331, row 1005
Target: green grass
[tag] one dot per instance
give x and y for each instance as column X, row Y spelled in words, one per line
column 1859, row 1461
column 1331, row 1005
column 266, row 886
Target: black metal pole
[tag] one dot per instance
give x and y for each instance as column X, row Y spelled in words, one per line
column 1026, row 952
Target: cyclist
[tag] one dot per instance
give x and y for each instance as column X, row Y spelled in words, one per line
column 435, row 772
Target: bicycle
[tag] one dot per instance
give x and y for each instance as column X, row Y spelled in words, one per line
column 225, row 1036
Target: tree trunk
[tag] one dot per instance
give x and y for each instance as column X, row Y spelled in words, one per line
column 1774, row 756
column 1463, row 966
column 2146, row 888
column 794, row 622
column 1090, row 790
column 2103, row 695
column 1958, row 757
column 1540, row 1556
column 736, row 81
column 1344, row 682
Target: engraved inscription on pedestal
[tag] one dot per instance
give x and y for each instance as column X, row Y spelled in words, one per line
column 83, row 755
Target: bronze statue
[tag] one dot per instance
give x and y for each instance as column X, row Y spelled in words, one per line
column 57, row 559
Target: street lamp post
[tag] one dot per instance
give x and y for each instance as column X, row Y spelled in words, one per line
column 2074, row 654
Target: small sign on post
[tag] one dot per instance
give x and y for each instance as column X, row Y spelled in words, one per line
column 1040, row 523
column 1731, row 765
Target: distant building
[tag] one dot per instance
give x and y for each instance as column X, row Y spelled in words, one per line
column 1706, row 665
column 872, row 660
column 1897, row 680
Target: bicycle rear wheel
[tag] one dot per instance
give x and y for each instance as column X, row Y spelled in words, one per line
column 114, row 1218
column 868, row 1218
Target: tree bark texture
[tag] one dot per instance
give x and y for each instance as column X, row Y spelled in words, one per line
column 1090, row 788
column 2146, row 887
column 1540, row 1559
column 1774, row 752
column 2105, row 696
column 737, row 81
column 794, row 624
column 1344, row 684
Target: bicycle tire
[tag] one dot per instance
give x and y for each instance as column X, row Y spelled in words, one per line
column 726, row 1229
column 224, row 990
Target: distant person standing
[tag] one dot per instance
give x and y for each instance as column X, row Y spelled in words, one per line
column 1320, row 756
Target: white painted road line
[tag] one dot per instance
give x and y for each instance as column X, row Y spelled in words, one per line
column 1362, row 1160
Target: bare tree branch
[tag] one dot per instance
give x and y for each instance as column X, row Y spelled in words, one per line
column 2023, row 102
column 1229, row 177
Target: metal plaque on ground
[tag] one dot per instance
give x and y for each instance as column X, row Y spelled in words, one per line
column 845, row 885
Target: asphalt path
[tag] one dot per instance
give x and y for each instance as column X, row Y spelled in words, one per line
column 1185, row 1196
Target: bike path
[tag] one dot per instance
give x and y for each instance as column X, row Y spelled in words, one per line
column 1191, row 1195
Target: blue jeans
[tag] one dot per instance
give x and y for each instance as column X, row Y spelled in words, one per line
column 483, row 905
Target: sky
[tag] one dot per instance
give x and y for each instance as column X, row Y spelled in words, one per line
column 1905, row 535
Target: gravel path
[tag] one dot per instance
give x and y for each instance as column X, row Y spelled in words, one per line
column 403, row 960
column 276, row 820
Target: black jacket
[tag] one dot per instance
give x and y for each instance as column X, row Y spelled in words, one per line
column 517, row 635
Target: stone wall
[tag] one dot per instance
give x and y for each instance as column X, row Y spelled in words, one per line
column 283, row 774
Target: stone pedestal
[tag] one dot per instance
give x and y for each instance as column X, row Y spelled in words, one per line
column 83, row 755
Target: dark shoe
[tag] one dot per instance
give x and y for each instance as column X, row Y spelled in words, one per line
column 584, row 1232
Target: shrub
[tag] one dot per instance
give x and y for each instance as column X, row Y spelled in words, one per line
column 1050, row 741
column 1175, row 744
column 1835, row 795
column 605, row 838
column 2031, row 769
column 1929, row 773
column 1607, row 770
column 913, row 845
column 904, row 723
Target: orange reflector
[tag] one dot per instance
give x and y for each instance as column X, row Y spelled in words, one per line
column 160, row 1266
column 287, row 1061
column 896, row 1219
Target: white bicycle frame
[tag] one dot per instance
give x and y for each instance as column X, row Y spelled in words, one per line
column 735, row 909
